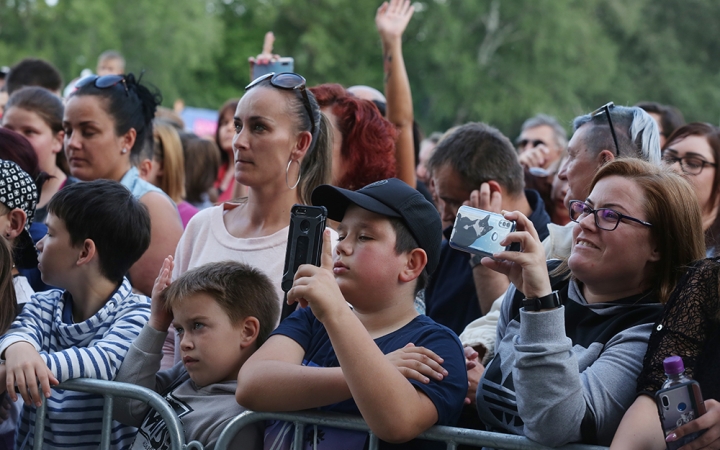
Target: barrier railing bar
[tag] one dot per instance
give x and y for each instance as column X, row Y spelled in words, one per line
column 113, row 388
column 299, row 434
column 107, row 422
column 453, row 435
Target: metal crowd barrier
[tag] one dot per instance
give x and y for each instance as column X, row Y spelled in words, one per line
column 109, row 390
column 452, row 436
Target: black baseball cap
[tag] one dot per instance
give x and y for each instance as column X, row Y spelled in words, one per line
column 392, row 198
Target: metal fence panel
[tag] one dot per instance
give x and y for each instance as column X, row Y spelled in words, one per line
column 110, row 389
column 452, row 436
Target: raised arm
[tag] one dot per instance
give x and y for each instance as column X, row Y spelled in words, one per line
column 394, row 409
column 391, row 20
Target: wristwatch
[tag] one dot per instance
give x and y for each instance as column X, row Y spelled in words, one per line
column 549, row 301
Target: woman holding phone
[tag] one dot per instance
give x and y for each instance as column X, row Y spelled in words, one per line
column 570, row 345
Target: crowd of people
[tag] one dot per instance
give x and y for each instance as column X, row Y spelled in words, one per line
column 137, row 252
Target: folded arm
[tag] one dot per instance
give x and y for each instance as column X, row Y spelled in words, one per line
column 274, row 379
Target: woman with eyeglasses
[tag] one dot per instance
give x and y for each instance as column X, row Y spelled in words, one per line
column 281, row 151
column 570, row 341
column 107, row 122
column 693, row 150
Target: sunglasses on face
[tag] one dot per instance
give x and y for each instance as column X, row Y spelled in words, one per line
column 103, row 82
column 605, row 109
column 292, row 82
column 605, row 218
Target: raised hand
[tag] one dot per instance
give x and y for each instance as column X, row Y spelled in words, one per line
column 418, row 363
column 486, row 199
column 392, row 19
column 160, row 316
column 527, row 269
column 710, row 421
column 266, row 56
column 316, row 286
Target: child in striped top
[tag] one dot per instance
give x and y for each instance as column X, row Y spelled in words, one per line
column 96, row 231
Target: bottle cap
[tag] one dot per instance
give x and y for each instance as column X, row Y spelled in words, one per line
column 673, row 365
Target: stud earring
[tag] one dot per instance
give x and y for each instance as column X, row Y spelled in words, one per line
column 124, row 150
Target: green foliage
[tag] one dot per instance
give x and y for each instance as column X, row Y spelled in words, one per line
column 490, row 60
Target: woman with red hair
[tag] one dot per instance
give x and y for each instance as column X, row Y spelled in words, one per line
column 363, row 140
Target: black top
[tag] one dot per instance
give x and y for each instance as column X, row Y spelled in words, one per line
column 688, row 328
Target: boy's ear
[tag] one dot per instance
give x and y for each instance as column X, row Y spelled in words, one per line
column 249, row 328
column 87, row 252
column 415, row 263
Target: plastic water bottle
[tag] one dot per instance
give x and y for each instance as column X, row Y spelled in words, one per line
column 675, row 371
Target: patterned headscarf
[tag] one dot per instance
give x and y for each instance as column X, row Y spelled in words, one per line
column 18, row 190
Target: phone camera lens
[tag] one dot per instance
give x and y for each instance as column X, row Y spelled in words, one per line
column 665, row 401
column 682, row 406
column 304, row 226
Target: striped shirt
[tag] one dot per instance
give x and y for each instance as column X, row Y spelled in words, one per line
column 94, row 348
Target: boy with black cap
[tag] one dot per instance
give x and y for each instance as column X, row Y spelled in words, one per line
column 332, row 357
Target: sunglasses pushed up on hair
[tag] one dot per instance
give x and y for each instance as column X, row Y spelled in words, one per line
column 292, row 82
column 103, row 82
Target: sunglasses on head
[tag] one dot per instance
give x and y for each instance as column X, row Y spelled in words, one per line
column 103, row 82
column 606, row 109
column 292, row 82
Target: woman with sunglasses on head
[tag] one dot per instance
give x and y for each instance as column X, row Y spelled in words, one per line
column 570, row 341
column 693, row 150
column 281, row 153
column 107, row 122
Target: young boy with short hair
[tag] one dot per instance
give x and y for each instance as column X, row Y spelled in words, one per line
column 96, row 231
column 222, row 313
column 331, row 357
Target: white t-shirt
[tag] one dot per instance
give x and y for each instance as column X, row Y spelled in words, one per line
column 23, row 290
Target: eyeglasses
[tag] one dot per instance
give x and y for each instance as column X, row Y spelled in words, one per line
column 691, row 165
column 103, row 82
column 606, row 109
column 290, row 81
column 605, row 218
column 533, row 143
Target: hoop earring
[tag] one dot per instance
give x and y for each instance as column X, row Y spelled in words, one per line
column 287, row 171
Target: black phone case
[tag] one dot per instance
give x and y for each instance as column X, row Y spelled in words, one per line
column 677, row 406
column 305, row 238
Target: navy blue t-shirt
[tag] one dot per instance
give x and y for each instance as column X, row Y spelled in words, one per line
column 450, row 296
column 447, row 395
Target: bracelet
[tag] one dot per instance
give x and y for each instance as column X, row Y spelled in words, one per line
column 549, row 301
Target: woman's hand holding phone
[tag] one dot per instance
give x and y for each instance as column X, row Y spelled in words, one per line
column 526, row 269
column 709, row 421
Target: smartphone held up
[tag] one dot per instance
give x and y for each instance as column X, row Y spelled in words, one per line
column 480, row 232
column 305, row 239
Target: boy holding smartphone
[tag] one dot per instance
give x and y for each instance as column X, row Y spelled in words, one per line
column 332, row 357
